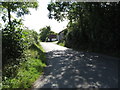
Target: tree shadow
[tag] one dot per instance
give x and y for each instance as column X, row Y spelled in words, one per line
column 72, row 69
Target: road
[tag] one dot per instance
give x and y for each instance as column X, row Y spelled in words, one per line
column 67, row 68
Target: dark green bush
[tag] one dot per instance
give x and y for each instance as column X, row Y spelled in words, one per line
column 12, row 42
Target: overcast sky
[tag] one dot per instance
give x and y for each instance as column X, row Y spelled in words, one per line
column 39, row 19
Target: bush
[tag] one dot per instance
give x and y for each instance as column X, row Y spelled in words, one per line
column 12, row 42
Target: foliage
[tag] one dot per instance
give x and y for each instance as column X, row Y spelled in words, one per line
column 39, row 47
column 19, row 60
column 12, row 35
column 12, row 41
column 61, row 43
column 32, row 53
column 45, row 32
column 28, row 71
column 30, row 37
column 16, row 41
column 19, row 8
column 90, row 24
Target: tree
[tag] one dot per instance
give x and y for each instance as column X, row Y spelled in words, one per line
column 44, row 33
column 12, row 34
column 90, row 24
column 20, row 8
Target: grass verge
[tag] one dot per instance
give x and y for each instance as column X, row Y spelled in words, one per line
column 29, row 70
column 61, row 43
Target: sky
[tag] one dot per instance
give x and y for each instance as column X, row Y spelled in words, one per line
column 39, row 19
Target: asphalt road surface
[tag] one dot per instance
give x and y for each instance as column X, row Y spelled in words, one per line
column 67, row 68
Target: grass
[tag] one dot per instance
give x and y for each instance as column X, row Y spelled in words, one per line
column 28, row 73
column 29, row 70
column 40, row 47
column 61, row 44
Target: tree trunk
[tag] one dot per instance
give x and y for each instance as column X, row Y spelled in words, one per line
column 9, row 15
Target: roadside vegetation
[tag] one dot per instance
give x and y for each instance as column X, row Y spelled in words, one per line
column 26, row 72
column 61, row 43
column 93, row 26
column 22, row 71
column 23, row 58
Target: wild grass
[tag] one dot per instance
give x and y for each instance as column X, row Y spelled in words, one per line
column 61, row 44
column 29, row 70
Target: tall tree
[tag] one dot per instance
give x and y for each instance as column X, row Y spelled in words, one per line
column 90, row 24
column 20, row 8
column 12, row 34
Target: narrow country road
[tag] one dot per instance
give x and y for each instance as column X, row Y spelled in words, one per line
column 67, row 68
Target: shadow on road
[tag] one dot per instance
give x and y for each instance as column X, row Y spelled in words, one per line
column 72, row 69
